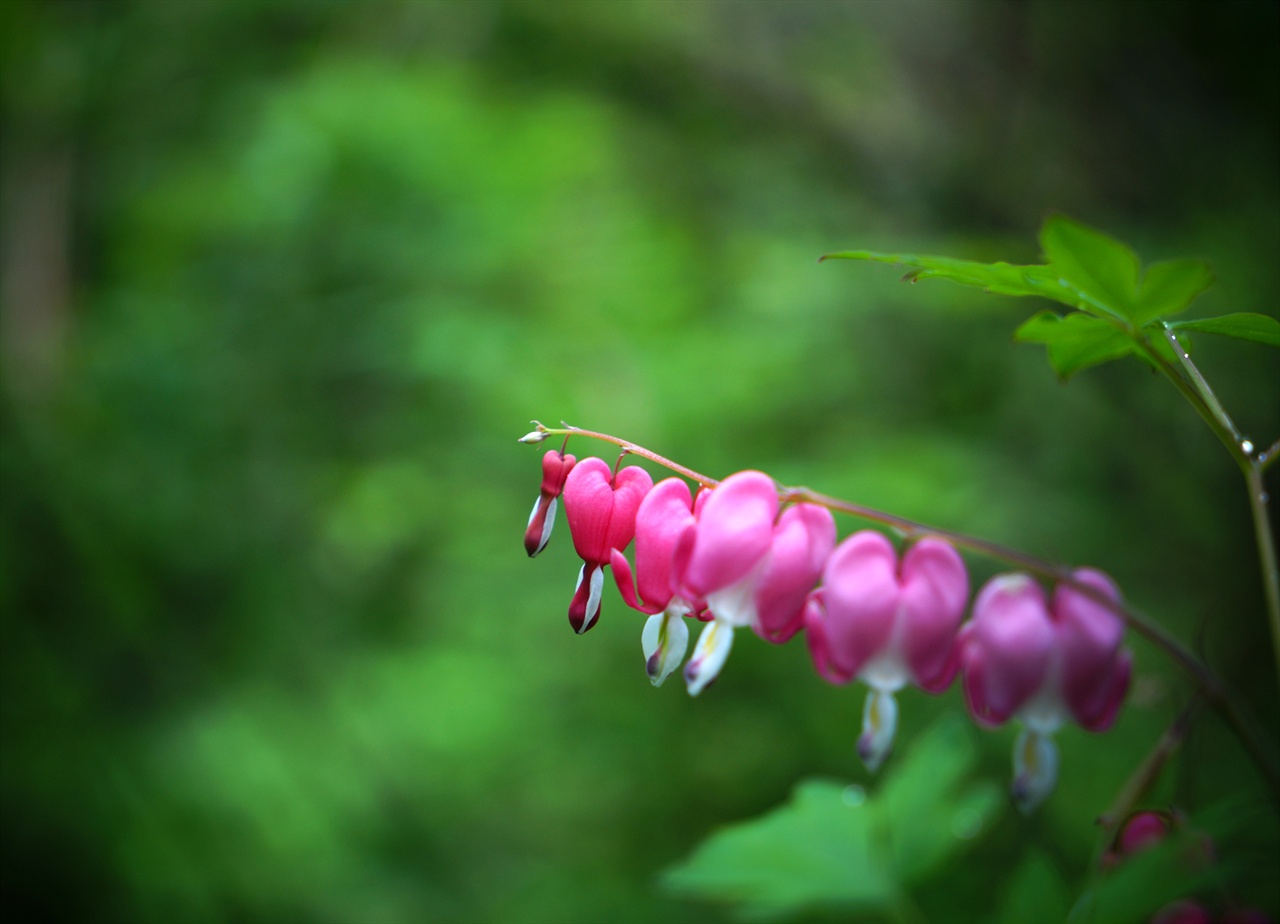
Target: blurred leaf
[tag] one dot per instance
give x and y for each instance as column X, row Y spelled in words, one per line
column 1169, row 287
column 1076, row 341
column 1243, row 325
column 1102, row 272
column 833, row 845
column 818, row 849
column 1037, row 893
column 925, row 806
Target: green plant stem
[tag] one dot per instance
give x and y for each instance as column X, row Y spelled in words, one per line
column 1196, row 389
column 1144, row 776
column 1197, row 670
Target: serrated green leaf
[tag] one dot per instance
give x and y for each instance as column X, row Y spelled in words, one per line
column 1244, row 325
column 1037, row 893
column 1075, row 342
column 1102, row 271
column 1169, row 287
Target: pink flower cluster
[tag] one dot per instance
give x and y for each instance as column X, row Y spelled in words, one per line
column 734, row 556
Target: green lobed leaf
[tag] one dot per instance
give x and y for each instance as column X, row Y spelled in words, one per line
column 928, row 803
column 1102, row 271
column 1169, row 287
column 833, row 845
column 1076, row 341
column 1086, row 270
column 1259, row 328
column 817, row 849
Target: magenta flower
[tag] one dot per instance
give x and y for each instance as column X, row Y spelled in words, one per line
column 1045, row 663
column 720, row 560
column 887, row 625
column 555, row 469
column 601, row 509
column 665, row 514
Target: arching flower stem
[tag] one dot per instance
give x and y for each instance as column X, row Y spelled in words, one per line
column 1199, row 672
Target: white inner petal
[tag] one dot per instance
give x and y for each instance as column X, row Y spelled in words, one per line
column 879, row 724
column 593, row 598
column 708, row 656
column 735, row 605
column 1035, row 769
column 549, row 522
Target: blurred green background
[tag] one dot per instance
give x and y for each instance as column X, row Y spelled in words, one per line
column 283, row 281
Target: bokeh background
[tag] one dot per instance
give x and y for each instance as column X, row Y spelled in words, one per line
column 283, row 281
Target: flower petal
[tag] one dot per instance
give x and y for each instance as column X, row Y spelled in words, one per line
column 935, row 589
column 664, row 641
column 879, row 724
column 802, row 542
column 709, row 656
column 734, row 532
column 860, row 597
column 1007, row 646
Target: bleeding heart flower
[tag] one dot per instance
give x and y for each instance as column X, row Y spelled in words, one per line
column 601, row 509
column 720, row 559
column 555, row 469
column 1045, row 663
column 887, row 625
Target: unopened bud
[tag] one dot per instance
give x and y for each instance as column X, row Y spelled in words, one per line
column 533, row 436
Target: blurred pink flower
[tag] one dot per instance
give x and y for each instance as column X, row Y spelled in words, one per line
column 887, row 625
column 1045, row 662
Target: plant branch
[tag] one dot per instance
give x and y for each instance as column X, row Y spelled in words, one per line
column 1200, row 673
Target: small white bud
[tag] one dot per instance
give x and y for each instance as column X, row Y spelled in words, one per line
column 534, row 436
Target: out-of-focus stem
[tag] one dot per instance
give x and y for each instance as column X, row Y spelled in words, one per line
column 1201, row 675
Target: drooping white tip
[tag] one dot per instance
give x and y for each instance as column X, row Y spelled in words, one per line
column 879, row 724
column 708, row 656
column 1035, row 770
column 665, row 640
column 534, row 436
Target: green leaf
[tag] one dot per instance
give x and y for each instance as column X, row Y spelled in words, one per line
column 998, row 278
column 1076, row 341
column 929, row 805
column 1259, row 328
column 1102, row 271
column 1169, row 287
column 818, row 849
column 832, row 845
column 1037, row 893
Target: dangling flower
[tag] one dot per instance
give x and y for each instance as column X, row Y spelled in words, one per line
column 555, row 469
column 720, row 559
column 664, row 515
column 1045, row 663
column 887, row 625
column 601, row 509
